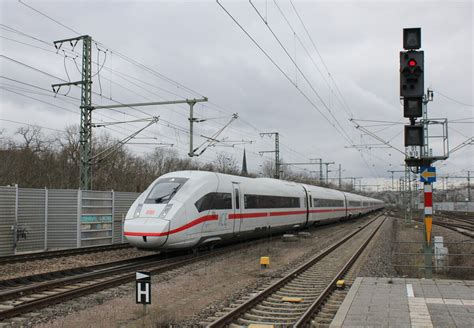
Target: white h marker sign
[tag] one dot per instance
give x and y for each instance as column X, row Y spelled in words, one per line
column 143, row 287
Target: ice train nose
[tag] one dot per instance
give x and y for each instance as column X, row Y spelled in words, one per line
column 146, row 232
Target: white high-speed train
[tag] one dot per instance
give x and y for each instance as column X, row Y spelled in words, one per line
column 187, row 209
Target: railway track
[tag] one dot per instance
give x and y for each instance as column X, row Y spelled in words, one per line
column 463, row 226
column 466, row 230
column 294, row 299
column 27, row 257
column 12, row 283
column 457, row 221
column 30, row 296
column 19, row 296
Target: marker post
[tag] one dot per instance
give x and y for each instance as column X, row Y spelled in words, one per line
column 428, row 176
column 428, row 220
column 143, row 291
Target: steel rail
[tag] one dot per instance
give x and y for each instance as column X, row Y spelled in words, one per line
column 95, row 272
column 454, row 227
column 60, row 253
column 179, row 260
column 311, row 311
column 50, row 275
column 233, row 315
column 85, row 290
column 122, row 275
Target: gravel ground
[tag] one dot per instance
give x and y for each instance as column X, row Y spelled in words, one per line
column 377, row 259
column 410, row 239
column 456, row 244
column 15, row 270
column 186, row 296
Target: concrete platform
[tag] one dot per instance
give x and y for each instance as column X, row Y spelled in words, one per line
column 398, row 302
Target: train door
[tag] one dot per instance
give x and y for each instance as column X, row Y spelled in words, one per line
column 237, row 206
column 310, row 207
column 346, row 206
column 307, row 203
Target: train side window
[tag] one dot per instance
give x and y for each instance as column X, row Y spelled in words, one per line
column 214, row 201
column 354, row 203
column 328, row 203
column 237, row 199
column 266, row 201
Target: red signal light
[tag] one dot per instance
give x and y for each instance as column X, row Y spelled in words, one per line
column 412, row 63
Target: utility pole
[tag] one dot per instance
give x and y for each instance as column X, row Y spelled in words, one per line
column 85, row 138
column 392, row 172
column 305, row 163
column 468, row 177
column 468, row 186
column 340, row 181
column 320, row 168
column 327, row 169
column 276, row 151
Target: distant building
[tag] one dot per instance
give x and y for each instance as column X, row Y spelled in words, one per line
column 244, row 166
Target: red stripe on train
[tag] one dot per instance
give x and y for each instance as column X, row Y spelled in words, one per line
column 247, row 215
column 215, row 217
column 202, row 219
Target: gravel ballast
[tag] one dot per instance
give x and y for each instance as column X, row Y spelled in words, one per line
column 185, row 296
column 15, row 270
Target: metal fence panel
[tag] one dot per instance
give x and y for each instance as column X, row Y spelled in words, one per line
column 62, row 218
column 7, row 219
column 31, row 220
column 122, row 202
column 96, row 218
column 452, row 206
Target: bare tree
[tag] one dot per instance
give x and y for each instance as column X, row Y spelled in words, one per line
column 33, row 138
column 226, row 163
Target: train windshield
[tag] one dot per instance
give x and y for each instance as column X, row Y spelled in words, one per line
column 164, row 190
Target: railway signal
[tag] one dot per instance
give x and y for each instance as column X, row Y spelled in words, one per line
column 412, row 74
column 414, row 135
column 412, row 91
column 411, row 38
column 413, row 107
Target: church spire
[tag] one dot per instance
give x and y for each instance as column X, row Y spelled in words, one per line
column 244, row 165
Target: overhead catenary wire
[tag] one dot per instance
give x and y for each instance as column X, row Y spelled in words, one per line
column 32, row 125
column 343, row 134
column 321, row 57
column 212, row 105
column 50, row 18
column 341, row 131
column 453, row 100
column 310, row 56
column 276, row 65
column 165, row 123
column 73, row 58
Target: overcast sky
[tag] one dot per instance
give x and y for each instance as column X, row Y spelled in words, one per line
column 198, row 46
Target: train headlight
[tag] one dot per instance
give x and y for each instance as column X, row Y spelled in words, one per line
column 165, row 211
column 137, row 211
